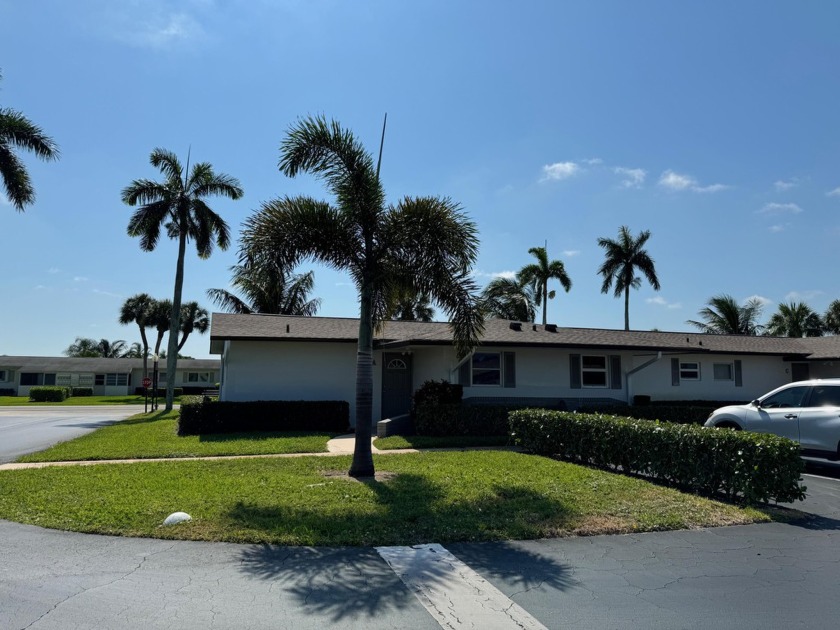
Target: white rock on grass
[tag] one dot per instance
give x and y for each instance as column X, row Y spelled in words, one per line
column 177, row 517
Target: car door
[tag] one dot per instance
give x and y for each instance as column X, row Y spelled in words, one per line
column 819, row 421
column 778, row 413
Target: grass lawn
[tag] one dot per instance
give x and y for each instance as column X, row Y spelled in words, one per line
column 153, row 435
column 417, row 498
column 450, row 441
column 23, row 401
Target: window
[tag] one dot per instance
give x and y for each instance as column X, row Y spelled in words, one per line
column 86, row 380
column 49, row 379
column 206, row 377
column 31, row 378
column 111, row 380
column 486, row 368
column 63, row 380
column 790, row 397
column 4, row 375
column 593, row 371
column 99, row 379
column 690, row 371
column 161, row 377
column 825, row 396
column 722, row 371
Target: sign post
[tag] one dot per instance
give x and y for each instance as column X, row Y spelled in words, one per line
column 147, row 382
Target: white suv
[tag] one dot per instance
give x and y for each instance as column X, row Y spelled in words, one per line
column 807, row 412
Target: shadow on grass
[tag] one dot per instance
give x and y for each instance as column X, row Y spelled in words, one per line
column 410, row 510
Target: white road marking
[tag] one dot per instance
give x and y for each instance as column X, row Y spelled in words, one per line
column 455, row 595
column 819, row 476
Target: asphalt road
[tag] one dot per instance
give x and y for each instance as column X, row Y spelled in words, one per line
column 27, row 429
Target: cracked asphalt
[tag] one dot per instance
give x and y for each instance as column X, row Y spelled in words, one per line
column 758, row 576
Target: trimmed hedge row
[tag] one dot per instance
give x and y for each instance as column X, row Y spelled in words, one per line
column 200, row 415
column 754, row 467
column 677, row 414
column 458, row 419
column 82, row 391
column 49, row 394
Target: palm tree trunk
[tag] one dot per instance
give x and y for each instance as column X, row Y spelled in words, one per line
column 545, row 300
column 362, row 465
column 627, row 308
column 175, row 321
column 145, row 352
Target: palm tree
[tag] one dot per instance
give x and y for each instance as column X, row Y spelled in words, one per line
column 138, row 309
column 17, row 131
column 831, row 318
column 622, row 258
column 538, row 275
column 267, row 288
column 509, row 298
column 135, row 351
column 423, row 245
column 160, row 318
column 85, row 347
column 178, row 205
column 412, row 307
column 112, row 349
column 795, row 319
column 193, row 319
column 722, row 315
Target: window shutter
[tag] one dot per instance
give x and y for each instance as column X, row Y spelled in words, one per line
column 464, row 373
column 574, row 371
column 615, row 371
column 675, row 371
column 510, row 369
column 739, row 382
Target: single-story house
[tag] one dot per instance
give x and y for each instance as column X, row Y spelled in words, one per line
column 107, row 377
column 276, row 357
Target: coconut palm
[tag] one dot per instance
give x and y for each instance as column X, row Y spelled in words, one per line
column 268, row 288
column 722, row 315
column 193, row 319
column 831, row 318
column 138, row 309
column 622, row 258
column 795, row 319
column 18, row 132
column 412, row 307
column 423, row 245
column 538, row 275
column 509, row 298
column 178, row 205
column 86, row 347
column 135, row 351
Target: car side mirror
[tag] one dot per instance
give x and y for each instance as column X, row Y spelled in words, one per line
column 756, row 403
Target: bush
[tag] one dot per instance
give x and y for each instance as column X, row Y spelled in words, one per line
column 82, row 391
column 8, row 392
column 753, row 466
column 675, row 414
column 457, row 419
column 48, row 394
column 438, row 393
column 200, row 415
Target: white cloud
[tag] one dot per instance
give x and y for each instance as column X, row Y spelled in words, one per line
column 782, row 185
column 758, row 298
column 569, row 253
column 593, row 161
column 661, row 301
column 678, row 182
column 106, row 293
column 631, row 177
column 559, row 171
column 779, row 227
column 779, row 208
column 833, row 193
column 494, row 274
column 80, row 279
column 155, row 24
column 40, row 287
column 803, row 296
column 53, row 270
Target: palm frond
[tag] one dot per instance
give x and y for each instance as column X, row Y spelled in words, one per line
column 16, row 129
column 16, row 181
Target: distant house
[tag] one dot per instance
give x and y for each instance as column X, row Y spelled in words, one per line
column 274, row 357
column 107, row 377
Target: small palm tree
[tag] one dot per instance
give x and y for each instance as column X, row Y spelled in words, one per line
column 622, row 258
column 795, row 319
column 412, row 308
column 18, row 132
column 112, row 349
column 178, row 205
column 193, row 319
column 138, row 309
column 135, row 351
column 509, row 298
column 421, row 245
column 267, row 288
column 722, row 315
column 83, row 347
column 540, row 273
column 831, row 318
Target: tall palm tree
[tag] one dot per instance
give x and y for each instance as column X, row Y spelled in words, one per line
column 268, row 288
column 622, row 258
column 138, row 309
column 18, row 132
column 722, row 315
column 193, row 319
column 412, row 307
column 178, row 205
column 421, row 244
column 831, row 318
column 540, row 273
column 509, row 298
column 160, row 318
column 795, row 319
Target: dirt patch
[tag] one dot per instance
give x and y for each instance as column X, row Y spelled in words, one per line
column 381, row 476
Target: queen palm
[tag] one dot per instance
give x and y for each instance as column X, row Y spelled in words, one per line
column 193, row 319
column 540, row 273
column 18, row 132
column 509, row 298
column 623, row 257
column 422, row 244
column 722, row 315
column 177, row 204
column 267, row 288
column 138, row 309
column 795, row 319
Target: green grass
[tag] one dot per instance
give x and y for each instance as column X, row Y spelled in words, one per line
column 440, row 497
column 23, row 401
column 450, row 441
column 154, row 435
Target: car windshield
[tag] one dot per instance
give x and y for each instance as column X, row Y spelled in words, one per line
column 790, row 397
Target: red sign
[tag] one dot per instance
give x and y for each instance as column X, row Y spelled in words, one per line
column 147, row 382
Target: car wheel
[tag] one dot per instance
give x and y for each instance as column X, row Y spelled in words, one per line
column 728, row 425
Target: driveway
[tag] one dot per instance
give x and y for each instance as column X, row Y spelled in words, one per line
column 27, row 429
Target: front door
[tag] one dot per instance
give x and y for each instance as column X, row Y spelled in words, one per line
column 396, row 384
column 800, row 372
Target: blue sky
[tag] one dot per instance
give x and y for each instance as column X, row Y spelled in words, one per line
column 711, row 124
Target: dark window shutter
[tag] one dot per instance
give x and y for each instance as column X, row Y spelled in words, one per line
column 574, row 371
column 615, row 371
column 675, row 371
column 464, row 373
column 510, row 369
column 739, row 381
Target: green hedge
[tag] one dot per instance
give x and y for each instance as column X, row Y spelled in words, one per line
column 678, row 414
column 82, row 391
column 438, row 393
column 200, row 415
column 457, row 419
column 754, row 467
column 49, row 394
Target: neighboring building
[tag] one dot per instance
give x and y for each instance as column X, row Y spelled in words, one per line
column 107, row 377
column 277, row 357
